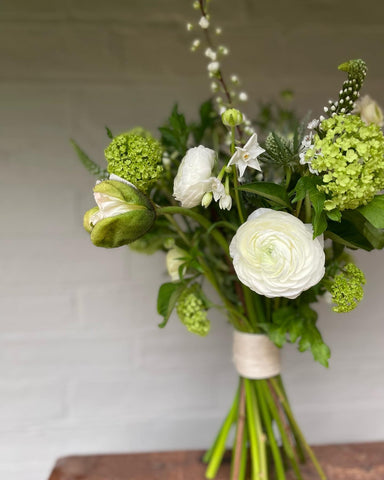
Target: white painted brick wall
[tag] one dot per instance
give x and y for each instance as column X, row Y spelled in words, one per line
column 83, row 366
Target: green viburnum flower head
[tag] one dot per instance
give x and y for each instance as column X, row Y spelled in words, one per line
column 122, row 216
column 350, row 158
column 192, row 311
column 136, row 157
column 347, row 288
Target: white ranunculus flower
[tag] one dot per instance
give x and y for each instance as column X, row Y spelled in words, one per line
column 193, row 178
column 174, row 259
column 275, row 255
column 369, row 111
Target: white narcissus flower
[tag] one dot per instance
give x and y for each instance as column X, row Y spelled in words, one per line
column 174, row 259
column 247, row 156
column 225, row 202
column 369, row 111
column 275, row 255
column 194, row 176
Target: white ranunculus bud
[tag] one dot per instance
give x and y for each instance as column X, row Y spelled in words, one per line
column 275, row 255
column 193, row 178
column 369, row 111
column 174, row 259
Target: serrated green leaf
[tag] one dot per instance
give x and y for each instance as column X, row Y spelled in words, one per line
column 294, row 323
column 271, row 191
column 89, row 164
column 319, row 224
column 374, row 211
column 334, row 215
column 167, row 298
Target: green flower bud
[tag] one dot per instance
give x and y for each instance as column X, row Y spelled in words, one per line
column 124, row 214
column 347, row 289
column 192, row 311
column 135, row 157
column 232, row 117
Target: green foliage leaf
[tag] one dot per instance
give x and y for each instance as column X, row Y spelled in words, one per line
column 334, row 215
column 89, row 164
column 319, row 222
column 375, row 236
column 297, row 323
column 308, row 186
column 271, row 191
column 167, row 298
column 175, row 134
column 374, row 211
column 109, row 133
column 345, row 233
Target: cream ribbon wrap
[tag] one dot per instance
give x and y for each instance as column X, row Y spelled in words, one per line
column 255, row 356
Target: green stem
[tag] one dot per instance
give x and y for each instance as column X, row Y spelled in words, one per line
column 295, row 426
column 284, row 437
column 299, row 445
column 278, row 462
column 251, row 423
column 215, row 454
column 238, row 447
column 220, row 239
column 308, row 209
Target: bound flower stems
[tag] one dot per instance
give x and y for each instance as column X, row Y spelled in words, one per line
column 267, row 435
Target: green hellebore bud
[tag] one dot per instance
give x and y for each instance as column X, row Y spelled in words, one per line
column 123, row 215
column 232, row 117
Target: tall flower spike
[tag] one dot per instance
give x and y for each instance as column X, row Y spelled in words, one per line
column 349, row 93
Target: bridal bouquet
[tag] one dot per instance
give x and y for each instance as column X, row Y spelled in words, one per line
column 268, row 221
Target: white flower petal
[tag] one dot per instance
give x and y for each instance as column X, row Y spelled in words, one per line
column 275, row 255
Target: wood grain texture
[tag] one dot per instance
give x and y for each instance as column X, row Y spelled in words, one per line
column 340, row 462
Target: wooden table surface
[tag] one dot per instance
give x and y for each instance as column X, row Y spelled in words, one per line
column 340, row 462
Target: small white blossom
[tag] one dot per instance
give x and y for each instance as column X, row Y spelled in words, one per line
column 223, row 50
column 189, row 27
column 247, row 156
column 243, row 97
column 214, row 87
column 217, row 188
column 225, row 202
column 195, row 44
column 213, row 67
column 210, row 54
column 313, row 124
column 235, row 79
column 204, row 23
column 219, row 31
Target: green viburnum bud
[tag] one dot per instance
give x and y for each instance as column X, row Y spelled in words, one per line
column 349, row 155
column 136, row 157
column 232, row 117
column 192, row 312
column 123, row 214
column 347, row 289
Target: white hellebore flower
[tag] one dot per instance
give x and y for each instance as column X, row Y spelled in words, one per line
column 247, row 156
column 194, row 176
column 174, row 260
column 275, row 255
column 369, row 111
